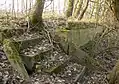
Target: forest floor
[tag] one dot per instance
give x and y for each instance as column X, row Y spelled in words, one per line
column 52, row 58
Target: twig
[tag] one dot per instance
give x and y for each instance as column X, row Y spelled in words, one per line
column 79, row 76
column 107, row 49
column 48, row 4
column 48, row 34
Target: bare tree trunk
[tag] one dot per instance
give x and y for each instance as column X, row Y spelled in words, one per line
column 116, row 8
column 37, row 15
column 84, row 10
column 92, row 10
column 97, row 10
column 78, row 8
column 75, row 6
column 70, row 8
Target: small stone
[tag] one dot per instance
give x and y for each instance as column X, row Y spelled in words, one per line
column 69, row 74
column 6, row 72
column 0, row 73
column 0, row 68
column 36, row 83
column 59, row 81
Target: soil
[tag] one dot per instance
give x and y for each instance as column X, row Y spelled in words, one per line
column 67, row 76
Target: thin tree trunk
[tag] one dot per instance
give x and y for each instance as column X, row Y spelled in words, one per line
column 37, row 15
column 92, row 10
column 70, row 8
column 75, row 6
column 103, row 11
column 78, row 8
column 84, row 10
column 116, row 8
column 97, row 10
